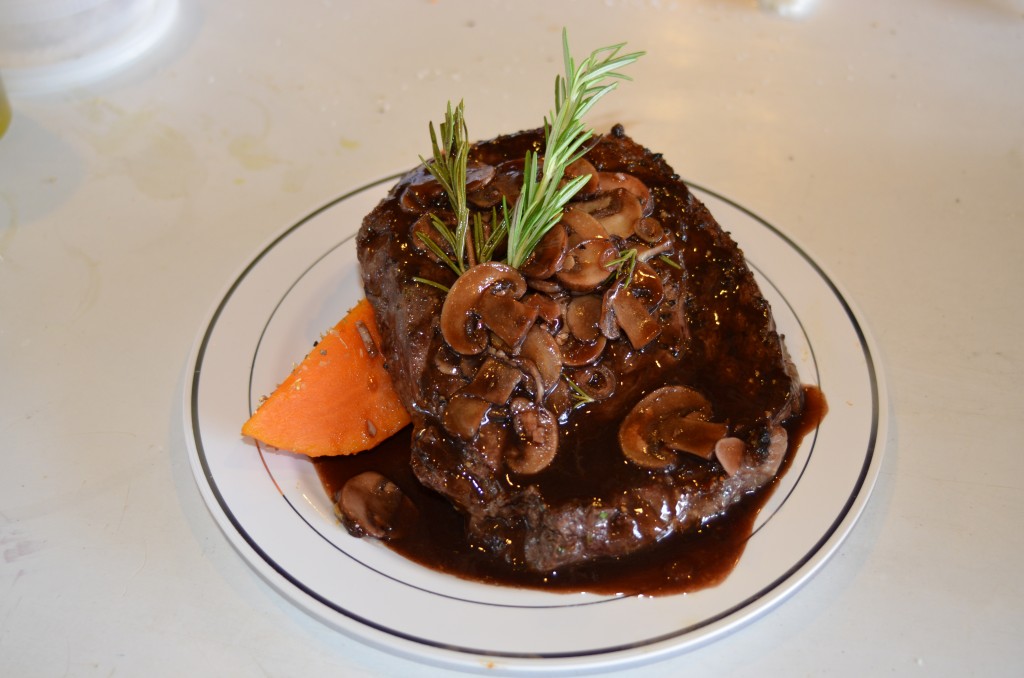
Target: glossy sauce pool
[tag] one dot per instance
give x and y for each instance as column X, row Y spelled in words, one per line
column 681, row 563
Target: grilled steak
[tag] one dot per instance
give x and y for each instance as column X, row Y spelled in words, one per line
column 626, row 384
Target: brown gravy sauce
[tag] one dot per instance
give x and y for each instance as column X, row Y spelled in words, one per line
column 681, row 563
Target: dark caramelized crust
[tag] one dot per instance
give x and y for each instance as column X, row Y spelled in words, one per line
column 714, row 335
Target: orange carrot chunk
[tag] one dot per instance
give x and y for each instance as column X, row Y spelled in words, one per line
column 338, row 400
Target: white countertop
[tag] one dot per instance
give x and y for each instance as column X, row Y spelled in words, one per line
column 887, row 138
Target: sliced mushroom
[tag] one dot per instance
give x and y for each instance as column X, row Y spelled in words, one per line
column 617, row 211
column 648, row 253
column 649, row 229
column 423, row 192
column 587, row 265
column 642, row 432
column 460, row 317
column 611, row 181
column 478, row 175
column 645, row 284
column 549, row 286
column 494, row 382
column 370, row 504
column 535, row 443
column 540, row 349
column 690, row 433
column 549, row 311
column 581, row 226
column 576, row 353
column 547, row 257
column 506, row 183
column 582, row 317
column 509, row 319
column 583, row 167
column 424, row 229
column 633, row 315
column 463, row 415
column 597, row 381
column 447, row 362
column 730, row 451
column 608, row 324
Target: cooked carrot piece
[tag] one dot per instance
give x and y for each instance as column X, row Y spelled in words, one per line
column 338, row 400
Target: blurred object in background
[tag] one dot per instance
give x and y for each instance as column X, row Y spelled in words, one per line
column 791, row 8
column 52, row 45
column 5, row 109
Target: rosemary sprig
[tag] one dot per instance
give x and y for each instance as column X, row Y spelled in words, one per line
column 484, row 244
column 542, row 199
column 670, row 261
column 451, row 156
column 431, row 283
column 626, row 264
column 579, row 396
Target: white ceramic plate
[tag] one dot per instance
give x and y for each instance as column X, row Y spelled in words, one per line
column 272, row 508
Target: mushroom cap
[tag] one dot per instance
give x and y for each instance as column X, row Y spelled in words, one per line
column 730, row 451
column 617, row 211
column 494, row 381
column 582, row 316
column 587, row 265
column 653, row 430
column 370, row 504
column 463, row 415
column 460, row 316
column 611, row 181
column 547, row 256
column 535, row 443
column 542, row 351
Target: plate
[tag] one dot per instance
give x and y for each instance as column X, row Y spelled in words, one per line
column 273, row 510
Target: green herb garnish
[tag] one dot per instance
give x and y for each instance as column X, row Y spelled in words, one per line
column 579, row 396
column 542, row 199
column 451, row 156
column 626, row 263
column 543, row 194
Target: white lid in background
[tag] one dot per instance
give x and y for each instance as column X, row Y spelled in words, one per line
column 50, row 45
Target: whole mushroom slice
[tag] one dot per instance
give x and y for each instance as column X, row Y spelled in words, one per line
column 649, row 229
column 641, row 432
column 690, row 433
column 730, row 452
column 460, row 315
column 633, row 315
column 577, row 353
column 597, row 381
column 494, row 382
column 617, row 211
column 582, row 317
column 424, row 228
column 506, row 182
column 580, row 226
column 371, row 505
column 542, row 351
column 611, row 181
column 463, row 415
column 535, row 441
column 509, row 319
column 583, row 167
column 587, row 265
column 423, row 192
column 547, row 256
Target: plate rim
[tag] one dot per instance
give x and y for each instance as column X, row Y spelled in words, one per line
column 447, row 655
